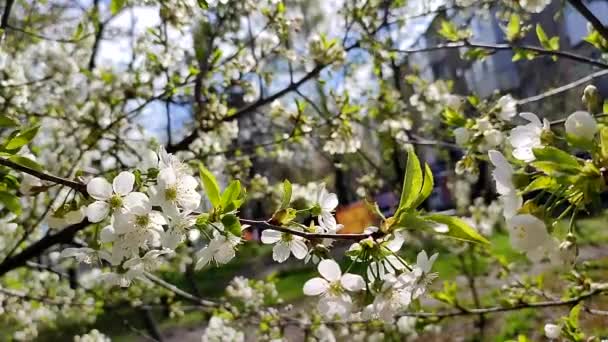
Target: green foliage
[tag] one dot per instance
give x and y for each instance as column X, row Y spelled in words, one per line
column 20, row 138
column 551, row 44
column 117, row 5
column 457, row 228
column 286, row 199
column 212, row 188
column 10, row 201
column 453, row 117
column 412, row 183
column 571, row 327
column 513, row 30
column 449, row 31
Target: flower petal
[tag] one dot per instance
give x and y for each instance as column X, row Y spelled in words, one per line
column 280, row 252
column 107, row 234
column 352, row 282
column 97, row 211
column 138, row 203
column 330, row 270
column 298, row 248
column 270, row 236
column 99, row 188
column 315, row 286
column 123, row 183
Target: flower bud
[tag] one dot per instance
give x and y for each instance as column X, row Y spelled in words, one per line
column 581, row 125
column 568, row 250
column 591, row 99
column 462, row 135
column 552, row 331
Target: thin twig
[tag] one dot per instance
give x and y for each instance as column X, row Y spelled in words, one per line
column 563, row 88
column 469, row 44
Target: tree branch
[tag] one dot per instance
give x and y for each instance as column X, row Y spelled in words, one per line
column 64, row 236
column 585, row 12
column 497, row 47
column 78, row 186
column 179, row 292
column 563, row 88
column 264, row 225
column 5, row 15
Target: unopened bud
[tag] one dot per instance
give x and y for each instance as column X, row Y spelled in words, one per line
column 591, row 99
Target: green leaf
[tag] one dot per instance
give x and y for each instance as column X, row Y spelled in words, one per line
column 27, row 162
column 286, row 194
column 457, row 228
column 411, row 220
column 450, row 32
column 412, row 182
column 231, row 193
column 453, row 117
column 232, row 224
column 284, row 216
column 203, row 4
column 604, row 141
column 542, row 36
column 11, row 202
column 555, row 155
column 5, row 121
column 22, row 138
column 427, row 186
column 211, row 186
column 540, row 183
column 117, row 5
column 513, row 27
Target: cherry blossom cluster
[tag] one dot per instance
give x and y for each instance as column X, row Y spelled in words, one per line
column 143, row 225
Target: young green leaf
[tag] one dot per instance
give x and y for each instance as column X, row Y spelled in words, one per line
column 22, row 138
column 427, row 186
column 231, row 193
column 513, row 27
column 117, row 5
column 210, row 184
column 412, row 182
column 286, row 194
column 5, row 121
column 457, row 228
column 27, row 162
column 555, row 155
column 11, row 202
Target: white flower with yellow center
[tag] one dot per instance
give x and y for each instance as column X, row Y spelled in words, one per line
column 113, row 197
column 285, row 244
column 334, row 288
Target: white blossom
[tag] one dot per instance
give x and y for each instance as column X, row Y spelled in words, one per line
column 333, row 287
column 526, row 137
column 115, row 196
column 503, row 176
column 285, row 244
column 508, row 107
column 327, row 203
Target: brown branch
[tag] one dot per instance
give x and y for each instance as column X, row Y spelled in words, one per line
column 189, row 139
column 264, row 225
column 5, row 15
column 595, row 21
column 471, row 312
column 36, row 249
column 78, row 186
